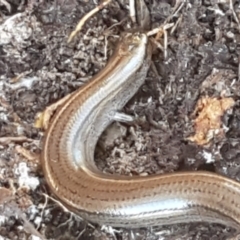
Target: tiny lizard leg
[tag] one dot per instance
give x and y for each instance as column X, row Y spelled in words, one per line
column 43, row 118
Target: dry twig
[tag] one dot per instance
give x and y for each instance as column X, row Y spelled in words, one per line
column 86, row 17
column 6, row 4
column 234, row 13
column 132, row 11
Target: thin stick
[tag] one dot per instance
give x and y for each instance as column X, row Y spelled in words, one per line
column 165, row 43
column 156, row 30
column 65, row 209
column 178, row 6
column 234, row 13
column 158, row 44
column 176, row 24
column 86, row 17
column 239, row 68
column 132, row 11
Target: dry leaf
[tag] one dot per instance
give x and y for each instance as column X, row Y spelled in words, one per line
column 208, row 123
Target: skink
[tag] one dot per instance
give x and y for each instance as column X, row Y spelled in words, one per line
column 119, row 201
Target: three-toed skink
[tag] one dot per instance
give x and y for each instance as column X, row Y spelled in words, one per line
column 119, row 201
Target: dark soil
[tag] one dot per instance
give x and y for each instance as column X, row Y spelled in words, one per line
column 38, row 67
